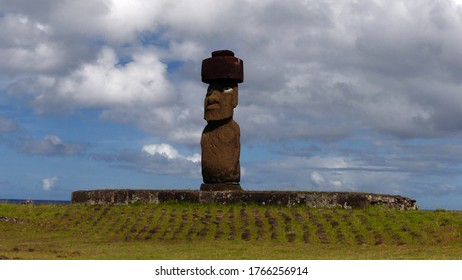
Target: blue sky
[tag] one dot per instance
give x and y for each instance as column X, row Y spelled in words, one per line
column 337, row 96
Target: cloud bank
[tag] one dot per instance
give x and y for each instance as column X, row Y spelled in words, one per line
column 315, row 69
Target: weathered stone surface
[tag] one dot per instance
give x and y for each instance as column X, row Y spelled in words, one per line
column 282, row 198
column 222, row 65
column 220, row 141
column 220, row 101
column 220, row 152
column 221, row 187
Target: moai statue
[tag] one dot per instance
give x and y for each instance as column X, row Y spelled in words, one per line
column 220, row 140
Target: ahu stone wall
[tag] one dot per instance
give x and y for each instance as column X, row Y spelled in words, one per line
column 283, row 198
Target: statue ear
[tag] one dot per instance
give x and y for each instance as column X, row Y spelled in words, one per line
column 235, row 96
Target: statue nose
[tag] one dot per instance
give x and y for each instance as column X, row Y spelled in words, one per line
column 213, row 98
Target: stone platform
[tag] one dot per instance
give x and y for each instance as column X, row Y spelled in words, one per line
column 282, row 198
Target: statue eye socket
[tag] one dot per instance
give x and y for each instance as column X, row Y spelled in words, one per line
column 227, row 89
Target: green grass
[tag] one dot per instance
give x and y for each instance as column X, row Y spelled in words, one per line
column 195, row 231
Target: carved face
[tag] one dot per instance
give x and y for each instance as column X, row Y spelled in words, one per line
column 220, row 101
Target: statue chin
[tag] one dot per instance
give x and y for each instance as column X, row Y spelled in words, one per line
column 217, row 115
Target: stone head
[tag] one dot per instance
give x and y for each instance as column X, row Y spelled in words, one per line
column 220, row 101
column 222, row 72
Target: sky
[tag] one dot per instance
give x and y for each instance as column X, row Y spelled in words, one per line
column 362, row 95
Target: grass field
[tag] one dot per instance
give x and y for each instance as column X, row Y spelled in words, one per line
column 194, row 231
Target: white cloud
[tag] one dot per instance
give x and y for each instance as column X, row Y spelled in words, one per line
column 194, row 158
column 317, row 178
column 164, row 150
column 105, row 83
column 125, row 19
column 26, row 46
column 49, row 183
column 185, row 50
column 167, row 151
